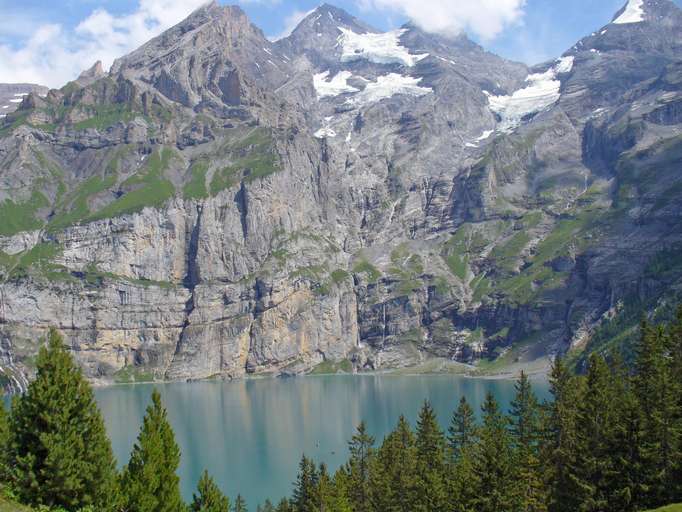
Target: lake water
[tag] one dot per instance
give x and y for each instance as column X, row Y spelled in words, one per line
column 250, row 434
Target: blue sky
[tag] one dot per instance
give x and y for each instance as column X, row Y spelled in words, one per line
column 49, row 43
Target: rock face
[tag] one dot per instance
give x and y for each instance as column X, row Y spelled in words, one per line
column 12, row 95
column 218, row 204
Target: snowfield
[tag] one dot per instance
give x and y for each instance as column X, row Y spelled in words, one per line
column 337, row 85
column 541, row 93
column 382, row 48
column 387, row 86
column 634, row 13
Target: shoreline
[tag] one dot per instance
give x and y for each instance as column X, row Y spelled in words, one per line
column 432, row 367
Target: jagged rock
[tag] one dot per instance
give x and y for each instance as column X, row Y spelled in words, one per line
column 218, row 204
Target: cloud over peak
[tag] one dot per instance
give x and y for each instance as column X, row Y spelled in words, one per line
column 485, row 18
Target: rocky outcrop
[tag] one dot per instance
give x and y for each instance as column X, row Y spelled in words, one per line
column 219, row 204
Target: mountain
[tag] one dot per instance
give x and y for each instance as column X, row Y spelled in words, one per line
column 11, row 96
column 219, row 204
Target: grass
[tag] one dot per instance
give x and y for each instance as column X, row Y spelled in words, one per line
column 9, row 506
column 196, row 186
column 669, row 508
column 253, row 157
column 16, row 217
column 78, row 200
column 539, row 277
column 147, row 188
column 365, row 267
column 333, row 367
column 105, row 116
column 506, row 256
column 130, row 374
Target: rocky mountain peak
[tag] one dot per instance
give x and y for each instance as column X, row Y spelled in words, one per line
column 91, row 75
column 647, row 11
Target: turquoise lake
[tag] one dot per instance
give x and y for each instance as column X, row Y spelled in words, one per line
column 250, row 434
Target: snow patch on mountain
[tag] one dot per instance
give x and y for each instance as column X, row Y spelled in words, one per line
column 325, row 132
column 542, row 91
column 382, row 48
column 634, row 13
column 387, row 86
column 333, row 87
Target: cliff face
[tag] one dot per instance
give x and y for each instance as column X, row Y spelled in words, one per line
column 219, row 204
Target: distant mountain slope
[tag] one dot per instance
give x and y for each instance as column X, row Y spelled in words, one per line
column 218, row 204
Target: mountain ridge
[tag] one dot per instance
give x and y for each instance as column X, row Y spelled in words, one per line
column 209, row 209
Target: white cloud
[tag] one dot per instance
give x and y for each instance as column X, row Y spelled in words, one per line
column 485, row 18
column 53, row 55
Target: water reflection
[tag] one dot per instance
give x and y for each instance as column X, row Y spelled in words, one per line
column 250, row 434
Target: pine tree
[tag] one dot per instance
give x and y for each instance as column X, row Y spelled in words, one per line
column 656, row 390
column 209, row 497
column 266, row 507
column 462, row 431
column 493, row 466
column 361, row 449
column 559, row 447
column 676, row 377
column 595, row 434
column 305, row 497
column 284, row 506
column 240, row 504
column 341, row 499
column 462, row 439
column 4, row 442
column 393, row 472
column 626, row 477
column 431, row 474
column 525, row 433
column 58, row 452
column 150, row 482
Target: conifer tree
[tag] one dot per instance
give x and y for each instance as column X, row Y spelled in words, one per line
column 4, row 442
column 341, row 497
column 58, row 452
column 462, row 439
column 284, row 506
column 393, row 474
column 266, row 507
column 656, row 391
column 150, row 482
column 305, row 497
column 240, row 504
column 595, row 437
column 361, row 449
column 676, row 371
column 559, row 450
column 493, row 466
column 525, row 434
column 430, row 444
column 209, row 497
column 462, row 430
column 626, row 478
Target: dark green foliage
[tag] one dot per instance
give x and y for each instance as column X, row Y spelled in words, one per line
column 150, row 482
column 493, row 463
column 431, row 485
column 239, row 504
column 59, row 454
column 394, row 471
column 529, row 490
column 209, row 497
column 462, row 431
column 266, row 507
column 361, row 449
column 609, row 441
column 306, row 497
